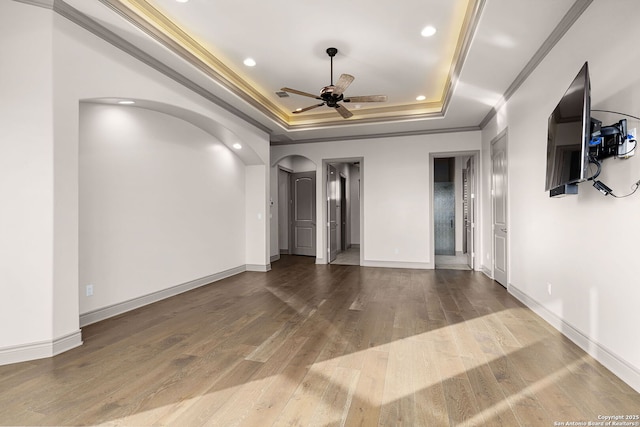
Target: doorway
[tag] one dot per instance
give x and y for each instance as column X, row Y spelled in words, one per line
column 444, row 204
column 453, row 214
column 343, row 210
column 297, row 230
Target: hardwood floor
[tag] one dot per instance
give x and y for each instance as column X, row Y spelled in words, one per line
column 321, row 346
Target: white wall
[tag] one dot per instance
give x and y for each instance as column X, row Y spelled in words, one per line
column 396, row 192
column 40, row 287
column 298, row 164
column 584, row 246
column 257, row 236
column 161, row 204
column 26, row 171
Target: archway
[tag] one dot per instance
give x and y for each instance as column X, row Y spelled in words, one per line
column 166, row 204
column 294, row 209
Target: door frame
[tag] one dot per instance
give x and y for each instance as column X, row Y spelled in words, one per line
column 476, row 238
column 323, row 256
column 343, row 212
column 333, row 177
column 289, row 223
column 471, row 179
column 502, row 134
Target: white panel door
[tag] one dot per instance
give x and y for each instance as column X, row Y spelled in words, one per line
column 500, row 225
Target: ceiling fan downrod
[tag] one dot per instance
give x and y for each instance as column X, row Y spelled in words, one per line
column 332, row 52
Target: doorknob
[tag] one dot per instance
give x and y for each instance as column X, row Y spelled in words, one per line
column 504, row 230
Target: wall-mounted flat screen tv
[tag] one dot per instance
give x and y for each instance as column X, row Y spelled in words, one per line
column 569, row 132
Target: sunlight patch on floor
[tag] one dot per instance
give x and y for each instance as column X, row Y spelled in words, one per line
column 415, row 368
column 510, row 401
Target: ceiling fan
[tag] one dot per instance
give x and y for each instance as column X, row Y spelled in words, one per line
column 333, row 94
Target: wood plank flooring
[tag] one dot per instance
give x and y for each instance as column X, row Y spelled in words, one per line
column 321, row 345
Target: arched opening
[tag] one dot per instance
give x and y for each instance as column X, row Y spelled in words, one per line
column 294, row 230
column 162, row 201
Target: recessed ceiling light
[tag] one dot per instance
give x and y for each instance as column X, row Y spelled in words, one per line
column 126, row 102
column 237, row 146
column 428, row 31
column 250, row 62
column 182, row 1
column 298, row 109
column 421, row 98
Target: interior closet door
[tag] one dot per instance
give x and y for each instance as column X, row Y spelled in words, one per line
column 303, row 190
column 500, row 225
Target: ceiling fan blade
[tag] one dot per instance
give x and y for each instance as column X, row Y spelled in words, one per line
column 343, row 83
column 299, row 92
column 302, row 110
column 369, row 98
column 344, row 112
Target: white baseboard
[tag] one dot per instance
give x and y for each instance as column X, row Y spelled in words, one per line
column 122, row 307
column 396, row 264
column 616, row 364
column 41, row 349
column 258, row 267
column 274, row 258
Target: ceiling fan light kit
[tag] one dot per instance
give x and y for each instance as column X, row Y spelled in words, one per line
column 332, row 95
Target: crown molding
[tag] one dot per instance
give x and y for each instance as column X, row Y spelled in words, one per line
column 472, row 20
column 82, row 20
column 378, row 135
column 156, row 25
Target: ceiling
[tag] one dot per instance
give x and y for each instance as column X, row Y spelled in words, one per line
column 481, row 51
